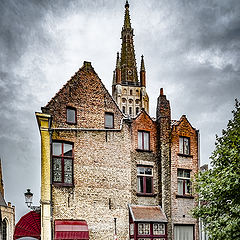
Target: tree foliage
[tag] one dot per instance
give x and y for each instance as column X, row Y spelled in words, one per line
column 219, row 188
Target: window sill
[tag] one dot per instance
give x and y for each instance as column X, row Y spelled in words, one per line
column 143, row 150
column 146, row 194
column 184, row 155
column 185, row 196
column 71, row 123
column 62, row 185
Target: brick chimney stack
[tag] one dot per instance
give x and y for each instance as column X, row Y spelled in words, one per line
column 164, row 131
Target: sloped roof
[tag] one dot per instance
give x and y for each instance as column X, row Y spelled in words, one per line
column 143, row 111
column 142, row 213
column 85, row 69
column 2, row 201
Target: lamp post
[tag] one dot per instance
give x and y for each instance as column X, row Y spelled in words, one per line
column 28, row 200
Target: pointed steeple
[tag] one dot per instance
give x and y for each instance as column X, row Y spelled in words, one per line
column 142, row 73
column 118, row 70
column 142, row 64
column 128, row 63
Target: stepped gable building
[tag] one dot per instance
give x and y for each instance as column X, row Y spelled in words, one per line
column 108, row 169
column 7, row 213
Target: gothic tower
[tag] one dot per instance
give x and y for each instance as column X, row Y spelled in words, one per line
column 129, row 93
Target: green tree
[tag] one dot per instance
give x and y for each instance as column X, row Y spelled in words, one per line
column 219, row 188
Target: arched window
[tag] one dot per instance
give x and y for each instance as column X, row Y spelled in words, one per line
column 130, row 110
column 137, row 110
column 124, row 109
column 4, row 230
column 130, row 92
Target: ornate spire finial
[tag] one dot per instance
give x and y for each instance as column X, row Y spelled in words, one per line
column 118, row 61
column 142, row 64
column 127, row 24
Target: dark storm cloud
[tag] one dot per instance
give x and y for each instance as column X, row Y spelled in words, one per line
column 191, row 49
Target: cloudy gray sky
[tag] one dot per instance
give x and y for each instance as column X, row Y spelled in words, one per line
column 191, row 49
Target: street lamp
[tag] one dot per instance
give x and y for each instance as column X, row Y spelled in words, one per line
column 28, row 200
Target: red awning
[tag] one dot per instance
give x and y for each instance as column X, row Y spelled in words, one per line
column 71, row 229
column 28, row 226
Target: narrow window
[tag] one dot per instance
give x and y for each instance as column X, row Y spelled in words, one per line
column 62, row 158
column 137, row 110
column 184, row 184
column 4, row 229
column 108, row 120
column 131, row 230
column 130, row 110
column 184, row 146
column 145, row 180
column 143, row 140
column 131, row 92
column 71, row 115
column 124, row 109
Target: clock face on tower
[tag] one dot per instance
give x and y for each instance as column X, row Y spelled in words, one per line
column 129, row 72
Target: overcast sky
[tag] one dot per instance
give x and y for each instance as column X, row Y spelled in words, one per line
column 191, row 49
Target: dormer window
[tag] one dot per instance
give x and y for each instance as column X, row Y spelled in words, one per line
column 109, row 120
column 184, row 145
column 71, row 115
column 143, row 140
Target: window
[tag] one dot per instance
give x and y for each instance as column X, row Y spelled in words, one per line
column 124, row 109
column 4, row 229
column 145, row 180
column 131, row 231
column 143, row 140
column 183, row 232
column 148, row 231
column 130, row 110
column 158, row 229
column 137, row 110
column 71, row 115
column 62, row 158
column 184, row 184
column 131, row 92
column 108, row 120
column 184, row 146
column 144, row 229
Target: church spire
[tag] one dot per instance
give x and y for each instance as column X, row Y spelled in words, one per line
column 128, row 61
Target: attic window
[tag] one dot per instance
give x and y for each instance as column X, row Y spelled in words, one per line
column 108, row 120
column 71, row 115
column 184, row 145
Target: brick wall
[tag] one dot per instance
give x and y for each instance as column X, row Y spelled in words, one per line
column 102, row 183
column 85, row 92
column 148, row 158
column 181, row 207
column 102, row 162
